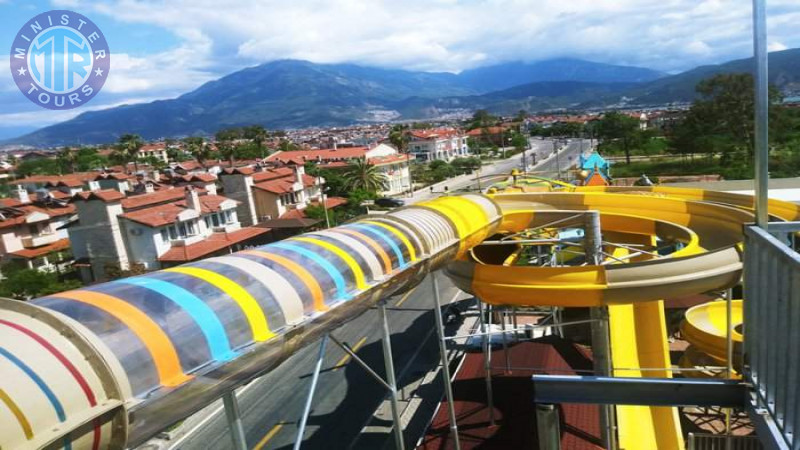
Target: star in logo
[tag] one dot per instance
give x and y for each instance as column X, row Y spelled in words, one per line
column 21, row 71
column 98, row 72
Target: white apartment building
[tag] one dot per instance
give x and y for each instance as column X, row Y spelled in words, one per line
column 154, row 230
column 393, row 165
column 437, row 143
column 32, row 229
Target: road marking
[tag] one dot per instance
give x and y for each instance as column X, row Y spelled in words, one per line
column 213, row 414
column 270, row 434
column 405, row 297
column 346, row 357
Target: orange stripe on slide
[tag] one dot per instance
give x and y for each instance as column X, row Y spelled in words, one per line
column 387, row 262
column 159, row 345
column 18, row 414
column 304, row 275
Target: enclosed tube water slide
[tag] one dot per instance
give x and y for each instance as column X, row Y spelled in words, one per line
column 109, row 365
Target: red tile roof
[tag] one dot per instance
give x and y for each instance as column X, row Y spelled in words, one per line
column 154, row 198
column 106, row 195
column 30, row 253
column 390, row 159
column 330, row 202
column 323, row 154
column 435, row 133
column 213, row 243
column 165, row 214
column 486, row 131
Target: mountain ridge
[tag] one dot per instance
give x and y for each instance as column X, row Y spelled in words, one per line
column 294, row 94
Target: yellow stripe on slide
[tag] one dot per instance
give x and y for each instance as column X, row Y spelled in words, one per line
column 18, row 414
column 411, row 252
column 249, row 305
column 360, row 282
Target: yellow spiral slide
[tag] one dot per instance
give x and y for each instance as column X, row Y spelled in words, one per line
column 658, row 243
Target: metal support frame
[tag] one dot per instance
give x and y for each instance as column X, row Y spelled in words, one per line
column 639, row 391
column 485, row 325
column 448, row 387
column 548, row 427
column 505, row 341
column 234, row 420
column 388, row 361
column 313, row 387
column 601, row 345
column 761, row 111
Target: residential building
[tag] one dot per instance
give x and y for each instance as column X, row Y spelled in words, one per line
column 154, row 230
column 33, row 229
column 389, row 162
column 266, row 194
column 443, row 144
column 157, row 150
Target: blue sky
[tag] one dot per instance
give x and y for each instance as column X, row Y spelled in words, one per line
column 162, row 48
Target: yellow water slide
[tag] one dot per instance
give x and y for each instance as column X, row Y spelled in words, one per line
column 704, row 232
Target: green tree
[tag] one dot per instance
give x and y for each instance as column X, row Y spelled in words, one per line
column 365, row 176
column 23, row 283
column 399, row 138
column 615, row 125
column 42, row 166
column 89, row 159
column 127, row 149
column 258, row 134
column 68, row 158
column 226, row 143
column 482, row 118
column 441, row 170
column 199, row 149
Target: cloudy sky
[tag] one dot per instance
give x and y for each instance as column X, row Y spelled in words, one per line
column 163, row 48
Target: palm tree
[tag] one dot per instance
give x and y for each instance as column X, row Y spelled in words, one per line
column 399, row 138
column 363, row 175
column 127, row 150
column 199, row 149
column 68, row 157
column 226, row 143
column 258, row 135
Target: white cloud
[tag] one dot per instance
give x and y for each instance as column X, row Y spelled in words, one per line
column 450, row 35
column 216, row 38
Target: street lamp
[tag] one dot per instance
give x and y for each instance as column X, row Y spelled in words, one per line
column 321, row 184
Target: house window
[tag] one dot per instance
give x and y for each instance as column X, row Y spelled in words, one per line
column 164, row 235
column 228, row 216
column 215, row 219
column 208, row 221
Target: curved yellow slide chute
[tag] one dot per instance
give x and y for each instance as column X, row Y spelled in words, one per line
column 706, row 225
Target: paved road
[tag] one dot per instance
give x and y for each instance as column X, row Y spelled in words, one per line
column 346, row 396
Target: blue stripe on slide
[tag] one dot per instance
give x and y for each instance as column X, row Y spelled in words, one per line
column 338, row 279
column 202, row 314
column 385, row 237
column 39, row 382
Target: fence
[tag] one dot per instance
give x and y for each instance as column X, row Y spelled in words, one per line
column 772, row 332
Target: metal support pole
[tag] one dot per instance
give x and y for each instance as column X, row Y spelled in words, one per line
column 548, row 427
column 505, row 342
column 601, row 345
column 761, row 111
column 448, row 387
column 486, row 325
column 729, row 360
column 307, row 408
column 514, row 323
column 388, row 361
column 234, row 420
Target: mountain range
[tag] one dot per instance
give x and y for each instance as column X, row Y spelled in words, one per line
column 295, row 94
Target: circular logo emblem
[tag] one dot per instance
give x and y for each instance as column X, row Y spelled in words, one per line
column 60, row 59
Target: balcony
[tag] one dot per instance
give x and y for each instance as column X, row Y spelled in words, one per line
column 39, row 240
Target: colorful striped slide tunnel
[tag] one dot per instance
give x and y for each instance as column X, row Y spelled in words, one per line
column 109, row 365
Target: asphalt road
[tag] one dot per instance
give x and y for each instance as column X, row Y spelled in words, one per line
column 346, row 396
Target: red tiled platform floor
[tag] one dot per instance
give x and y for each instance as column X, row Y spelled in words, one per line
column 515, row 416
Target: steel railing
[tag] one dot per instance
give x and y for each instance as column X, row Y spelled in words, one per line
column 772, row 332
column 703, row 441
